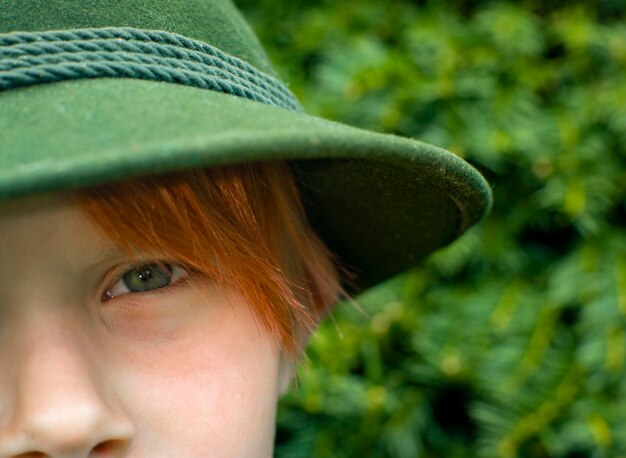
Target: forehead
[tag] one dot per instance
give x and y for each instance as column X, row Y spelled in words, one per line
column 51, row 227
column 33, row 204
column 47, row 226
column 35, row 218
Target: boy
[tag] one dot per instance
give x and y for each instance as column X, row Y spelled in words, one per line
column 173, row 227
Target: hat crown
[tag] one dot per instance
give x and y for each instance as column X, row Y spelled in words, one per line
column 215, row 22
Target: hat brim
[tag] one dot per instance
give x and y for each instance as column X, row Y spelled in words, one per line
column 379, row 201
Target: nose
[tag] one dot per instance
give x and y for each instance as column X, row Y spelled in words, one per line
column 58, row 407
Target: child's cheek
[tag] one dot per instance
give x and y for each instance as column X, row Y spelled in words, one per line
column 150, row 322
column 197, row 374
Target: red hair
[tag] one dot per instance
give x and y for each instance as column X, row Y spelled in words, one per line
column 242, row 226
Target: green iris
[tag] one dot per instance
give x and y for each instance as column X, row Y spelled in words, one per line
column 147, row 277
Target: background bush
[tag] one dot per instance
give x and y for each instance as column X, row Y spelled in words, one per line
column 512, row 341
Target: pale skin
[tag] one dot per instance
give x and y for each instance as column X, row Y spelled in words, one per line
column 186, row 373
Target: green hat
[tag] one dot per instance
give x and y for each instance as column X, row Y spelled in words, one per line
column 93, row 91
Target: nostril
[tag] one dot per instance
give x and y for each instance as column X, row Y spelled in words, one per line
column 107, row 447
column 103, row 449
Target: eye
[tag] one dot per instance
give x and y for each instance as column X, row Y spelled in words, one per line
column 147, row 277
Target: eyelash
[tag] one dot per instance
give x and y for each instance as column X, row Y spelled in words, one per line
column 106, row 296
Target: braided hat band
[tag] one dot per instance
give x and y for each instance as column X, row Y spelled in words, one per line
column 28, row 58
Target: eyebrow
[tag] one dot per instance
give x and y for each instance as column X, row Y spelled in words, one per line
column 94, row 258
column 106, row 252
column 111, row 251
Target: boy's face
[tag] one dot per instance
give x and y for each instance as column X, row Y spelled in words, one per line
column 178, row 372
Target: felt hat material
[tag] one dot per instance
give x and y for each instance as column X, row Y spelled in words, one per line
column 93, row 91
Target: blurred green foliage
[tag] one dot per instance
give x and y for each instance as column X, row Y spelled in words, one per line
column 512, row 341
